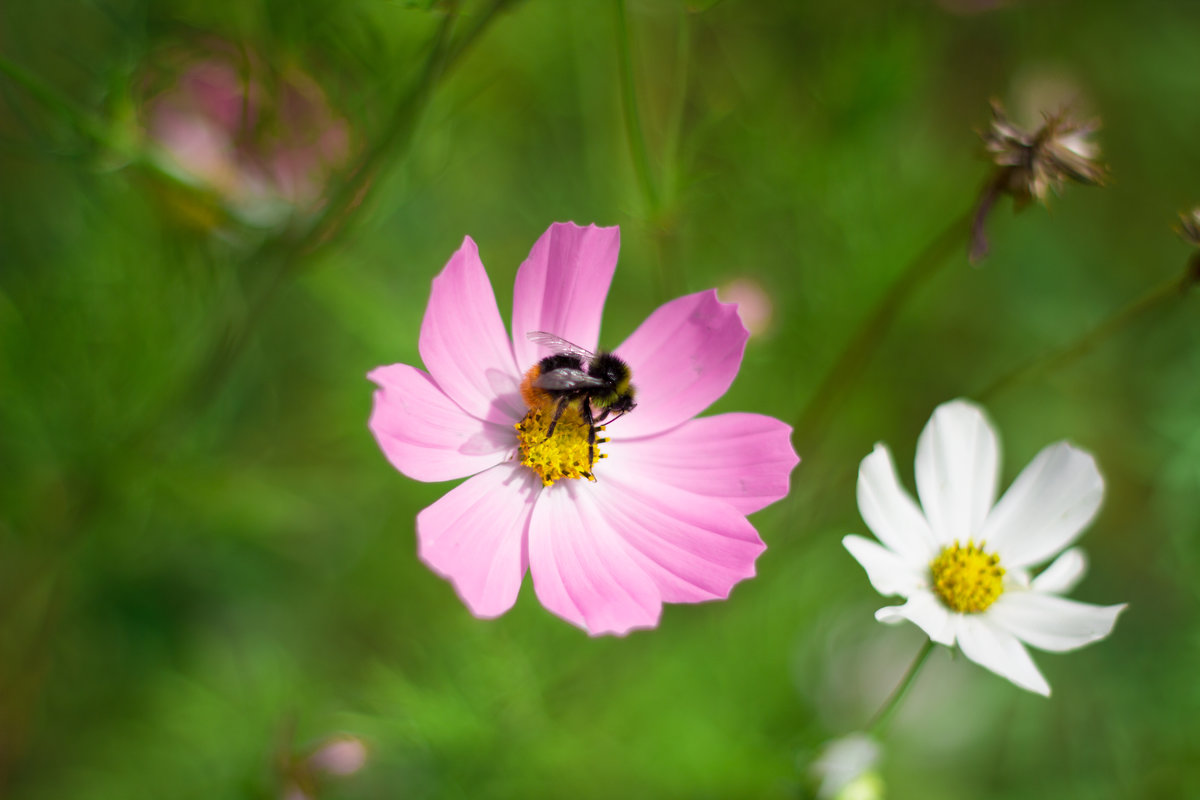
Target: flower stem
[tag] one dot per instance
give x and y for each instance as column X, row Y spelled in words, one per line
column 677, row 108
column 78, row 117
column 195, row 388
column 1174, row 289
column 839, row 380
column 286, row 257
column 991, row 193
column 633, row 118
column 885, row 712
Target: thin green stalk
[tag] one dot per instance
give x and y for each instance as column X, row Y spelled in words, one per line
column 1174, row 289
column 683, row 60
column 85, row 123
column 397, row 135
column 858, row 351
column 402, row 127
column 633, row 118
column 78, row 117
column 229, row 340
column 288, row 256
column 885, row 712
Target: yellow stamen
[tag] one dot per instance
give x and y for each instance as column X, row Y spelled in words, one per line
column 967, row 579
column 563, row 455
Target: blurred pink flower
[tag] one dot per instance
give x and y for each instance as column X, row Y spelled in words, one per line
column 340, row 755
column 665, row 519
column 753, row 303
column 265, row 140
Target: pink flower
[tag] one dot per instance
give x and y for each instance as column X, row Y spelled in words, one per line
column 266, row 141
column 753, row 303
column 665, row 518
column 340, row 755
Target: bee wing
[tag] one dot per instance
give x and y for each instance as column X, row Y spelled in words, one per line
column 559, row 344
column 566, row 378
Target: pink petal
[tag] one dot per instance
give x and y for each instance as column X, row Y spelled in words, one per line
column 463, row 343
column 561, row 287
column 744, row 459
column 694, row 548
column 426, row 435
column 475, row 536
column 581, row 568
column 683, row 357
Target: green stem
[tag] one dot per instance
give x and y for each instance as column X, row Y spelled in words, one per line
column 398, row 134
column 633, row 119
column 885, row 712
column 288, row 256
column 78, row 117
column 1173, row 289
column 683, row 59
column 853, row 359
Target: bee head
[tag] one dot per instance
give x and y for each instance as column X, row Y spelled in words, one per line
column 624, row 402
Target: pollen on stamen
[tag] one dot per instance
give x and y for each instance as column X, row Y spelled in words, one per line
column 563, row 455
column 966, row 578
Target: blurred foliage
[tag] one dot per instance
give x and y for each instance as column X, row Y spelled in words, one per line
column 207, row 568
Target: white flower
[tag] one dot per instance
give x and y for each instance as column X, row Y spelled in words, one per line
column 962, row 560
column 845, row 769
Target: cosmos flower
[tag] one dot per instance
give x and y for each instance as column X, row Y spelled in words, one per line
column 661, row 514
column 963, row 561
column 264, row 141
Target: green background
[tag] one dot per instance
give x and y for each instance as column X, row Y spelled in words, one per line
column 207, row 567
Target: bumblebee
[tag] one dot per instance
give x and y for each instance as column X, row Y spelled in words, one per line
column 596, row 384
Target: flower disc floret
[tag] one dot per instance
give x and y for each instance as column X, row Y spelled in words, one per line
column 566, row 454
column 966, row 578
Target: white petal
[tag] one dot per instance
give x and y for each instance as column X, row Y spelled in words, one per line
column 1000, row 651
column 958, row 458
column 889, row 512
column 1063, row 574
column 844, row 761
column 1046, row 508
column 927, row 613
column 889, row 573
column 1053, row 623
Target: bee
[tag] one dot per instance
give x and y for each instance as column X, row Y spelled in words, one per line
column 597, row 384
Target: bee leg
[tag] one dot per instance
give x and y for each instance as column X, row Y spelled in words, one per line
column 591, row 423
column 558, row 412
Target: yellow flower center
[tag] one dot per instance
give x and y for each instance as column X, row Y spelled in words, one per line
column 967, row 579
column 563, row 455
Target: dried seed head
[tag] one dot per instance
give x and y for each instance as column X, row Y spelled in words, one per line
column 1033, row 163
column 1189, row 230
column 1029, row 165
column 1189, row 226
